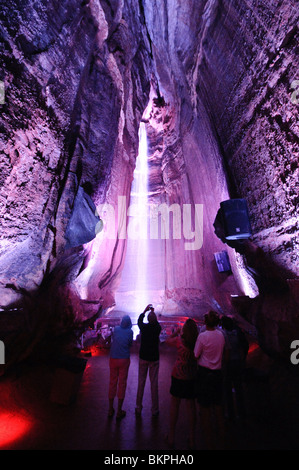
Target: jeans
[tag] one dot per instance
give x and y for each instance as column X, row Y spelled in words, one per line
column 153, row 368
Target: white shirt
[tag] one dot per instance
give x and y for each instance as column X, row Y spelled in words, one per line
column 209, row 349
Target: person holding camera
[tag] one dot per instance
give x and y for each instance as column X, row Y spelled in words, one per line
column 148, row 358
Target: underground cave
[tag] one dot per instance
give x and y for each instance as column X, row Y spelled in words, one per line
column 149, row 155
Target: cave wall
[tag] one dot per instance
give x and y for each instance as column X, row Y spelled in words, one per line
column 239, row 61
column 245, row 74
column 244, row 71
column 186, row 171
column 232, row 68
column 77, row 80
column 188, row 144
column 186, row 164
column 75, row 90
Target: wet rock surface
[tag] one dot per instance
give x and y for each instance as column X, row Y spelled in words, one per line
column 223, row 124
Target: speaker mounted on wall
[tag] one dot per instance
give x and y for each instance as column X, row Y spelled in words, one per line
column 235, row 219
column 222, row 261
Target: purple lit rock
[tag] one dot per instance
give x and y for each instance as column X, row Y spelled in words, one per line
column 78, row 78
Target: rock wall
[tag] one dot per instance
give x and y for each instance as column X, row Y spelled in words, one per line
column 77, row 80
column 187, row 176
column 245, row 71
column 230, row 69
column 74, row 93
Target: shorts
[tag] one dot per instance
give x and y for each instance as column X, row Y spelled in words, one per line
column 208, row 386
column 182, row 388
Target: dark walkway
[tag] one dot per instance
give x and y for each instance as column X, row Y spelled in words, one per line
column 29, row 420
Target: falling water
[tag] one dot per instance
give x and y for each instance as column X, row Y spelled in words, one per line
column 132, row 295
column 138, row 221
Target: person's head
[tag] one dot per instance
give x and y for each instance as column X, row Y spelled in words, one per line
column 126, row 322
column 152, row 318
column 211, row 319
column 227, row 323
column 189, row 333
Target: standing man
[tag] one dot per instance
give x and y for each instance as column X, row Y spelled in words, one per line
column 148, row 359
column 209, row 350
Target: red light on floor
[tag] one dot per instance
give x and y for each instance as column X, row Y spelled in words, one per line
column 253, row 347
column 12, row 427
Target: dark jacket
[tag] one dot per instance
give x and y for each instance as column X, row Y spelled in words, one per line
column 150, row 332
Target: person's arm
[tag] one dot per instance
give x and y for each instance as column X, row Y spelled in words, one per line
column 198, row 347
column 140, row 320
column 147, row 308
column 141, row 316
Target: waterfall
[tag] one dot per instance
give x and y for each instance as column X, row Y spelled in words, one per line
column 138, row 222
column 132, row 295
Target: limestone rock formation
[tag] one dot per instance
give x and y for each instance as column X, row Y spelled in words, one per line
column 75, row 90
column 221, row 80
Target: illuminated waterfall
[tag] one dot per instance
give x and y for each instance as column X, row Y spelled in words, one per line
column 138, row 222
column 132, row 296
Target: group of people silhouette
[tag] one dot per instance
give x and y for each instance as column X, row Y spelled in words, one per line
column 209, row 363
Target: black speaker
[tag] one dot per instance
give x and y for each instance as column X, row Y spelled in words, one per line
column 235, row 217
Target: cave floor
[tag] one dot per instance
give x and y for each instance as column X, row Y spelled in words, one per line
column 30, row 420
